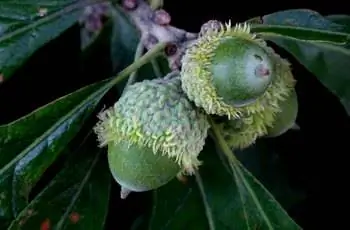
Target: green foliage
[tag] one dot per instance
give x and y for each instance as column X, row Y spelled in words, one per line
column 72, row 203
column 27, row 25
column 320, row 44
column 53, row 174
column 30, row 149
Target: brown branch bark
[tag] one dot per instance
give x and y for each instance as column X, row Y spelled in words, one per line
column 155, row 27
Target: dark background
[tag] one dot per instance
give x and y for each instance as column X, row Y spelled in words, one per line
column 316, row 157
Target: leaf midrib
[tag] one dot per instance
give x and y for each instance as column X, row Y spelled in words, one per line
column 236, row 170
column 80, row 189
column 313, row 30
column 240, row 175
column 329, row 45
column 54, row 127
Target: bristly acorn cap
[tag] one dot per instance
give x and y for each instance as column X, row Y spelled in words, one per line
column 206, row 87
column 157, row 114
column 243, row 132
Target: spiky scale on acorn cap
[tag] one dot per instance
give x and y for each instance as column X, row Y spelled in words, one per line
column 231, row 72
column 152, row 117
column 242, row 132
column 285, row 119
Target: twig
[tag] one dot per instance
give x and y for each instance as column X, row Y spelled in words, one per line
column 155, row 27
column 138, row 54
column 144, row 59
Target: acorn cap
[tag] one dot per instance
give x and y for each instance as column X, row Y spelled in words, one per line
column 156, row 114
column 242, row 132
column 229, row 72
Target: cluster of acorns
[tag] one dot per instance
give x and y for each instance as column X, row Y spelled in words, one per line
column 157, row 129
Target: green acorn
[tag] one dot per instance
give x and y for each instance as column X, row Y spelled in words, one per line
column 285, row 119
column 153, row 133
column 230, row 72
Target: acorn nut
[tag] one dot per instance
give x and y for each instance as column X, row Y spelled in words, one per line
column 285, row 119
